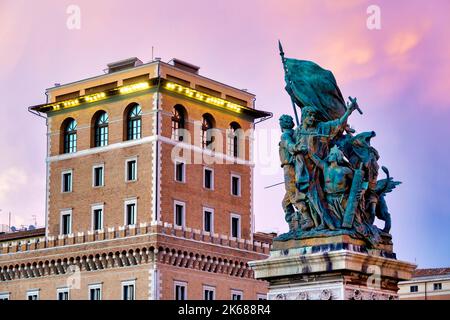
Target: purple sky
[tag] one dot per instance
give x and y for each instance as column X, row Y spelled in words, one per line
column 400, row 74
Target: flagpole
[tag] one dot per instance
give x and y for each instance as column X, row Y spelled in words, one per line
column 288, row 81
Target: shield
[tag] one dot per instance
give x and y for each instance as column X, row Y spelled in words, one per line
column 310, row 85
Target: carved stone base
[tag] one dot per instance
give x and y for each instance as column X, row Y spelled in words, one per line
column 333, row 243
column 336, row 271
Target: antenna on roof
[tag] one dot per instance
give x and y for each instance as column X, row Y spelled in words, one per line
column 152, row 53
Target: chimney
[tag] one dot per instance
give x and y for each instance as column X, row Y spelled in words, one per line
column 123, row 64
column 183, row 65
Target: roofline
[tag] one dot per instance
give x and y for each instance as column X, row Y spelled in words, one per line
column 143, row 66
column 426, row 279
column 11, row 236
column 149, row 84
column 99, row 76
column 215, row 81
column 253, row 112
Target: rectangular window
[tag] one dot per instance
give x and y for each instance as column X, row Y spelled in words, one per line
column 235, row 226
column 437, row 286
column 62, row 294
column 208, row 220
column 131, row 170
column 97, row 217
column 180, row 290
column 261, row 296
column 66, row 181
column 179, row 213
column 128, row 290
column 70, row 140
column 414, row 289
column 98, row 176
column 130, row 212
column 236, row 295
column 4, row 296
column 33, row 295
column 180, row 171
column 208, row 178
column 134, row 127
column 234, row 141
column 209, row 293
column 236, row 185
column 66, row 222
column 95, row 292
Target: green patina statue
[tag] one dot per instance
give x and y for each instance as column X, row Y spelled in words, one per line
column 330, row 173
column 337, row 179
column 294, row 205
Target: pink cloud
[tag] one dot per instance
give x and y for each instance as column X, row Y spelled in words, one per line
column 14, row 34
column 402, row 42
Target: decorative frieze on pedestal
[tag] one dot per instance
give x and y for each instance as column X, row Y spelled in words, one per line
column 327, row 291
column 334, row 271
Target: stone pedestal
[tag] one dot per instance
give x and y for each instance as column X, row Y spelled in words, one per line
column 335, row 268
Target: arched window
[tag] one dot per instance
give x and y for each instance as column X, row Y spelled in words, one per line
column 233, row 139
column 101, row 129
column 178, row 122
column 207, row 125
column 134, row 121
column 70, row 136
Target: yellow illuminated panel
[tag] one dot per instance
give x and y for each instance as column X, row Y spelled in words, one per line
column 95, row 97
column 98, row 96
column 188, row 92
column 71, row 103
column 134, row 87
column 202, row 96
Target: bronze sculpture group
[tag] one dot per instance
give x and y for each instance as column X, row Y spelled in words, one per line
column 330, row 172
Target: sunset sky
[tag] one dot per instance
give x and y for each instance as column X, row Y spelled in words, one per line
column 400, row 75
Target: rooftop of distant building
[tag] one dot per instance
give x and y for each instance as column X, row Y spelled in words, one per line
column 431, row 272
column 22, row 234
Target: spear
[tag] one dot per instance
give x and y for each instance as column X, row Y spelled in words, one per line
column 288, row 80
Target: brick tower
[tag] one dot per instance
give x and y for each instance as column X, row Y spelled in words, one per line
column 149, row 191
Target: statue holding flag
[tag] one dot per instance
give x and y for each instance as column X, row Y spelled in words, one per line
column 331, row 202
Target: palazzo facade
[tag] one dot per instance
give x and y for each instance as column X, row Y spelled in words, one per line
column 148, row 192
